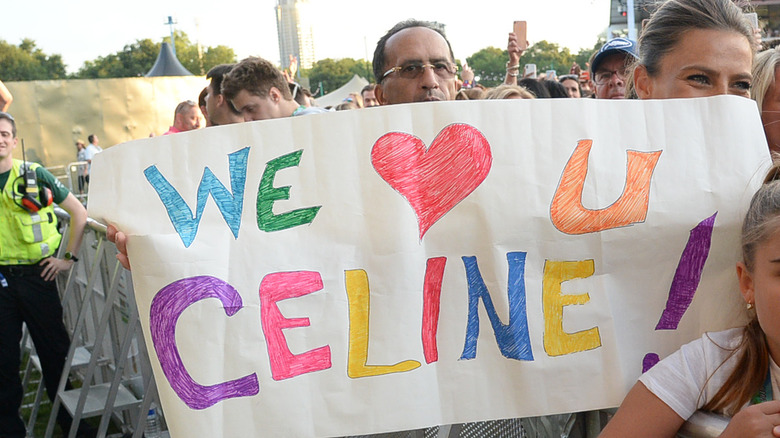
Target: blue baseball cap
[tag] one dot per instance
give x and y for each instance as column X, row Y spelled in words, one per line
column 611, row 47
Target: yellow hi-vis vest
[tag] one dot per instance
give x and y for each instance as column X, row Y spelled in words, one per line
column 25, row 237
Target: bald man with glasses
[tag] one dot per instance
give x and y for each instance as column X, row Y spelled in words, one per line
column 413, row 62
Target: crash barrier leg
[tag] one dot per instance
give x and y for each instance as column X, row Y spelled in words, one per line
column 32, row 385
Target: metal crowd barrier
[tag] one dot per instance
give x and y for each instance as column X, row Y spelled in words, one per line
column 108, row 354
column 703, row 425
column 75, row 177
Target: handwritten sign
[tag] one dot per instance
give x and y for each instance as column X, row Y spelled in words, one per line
column 401, row 267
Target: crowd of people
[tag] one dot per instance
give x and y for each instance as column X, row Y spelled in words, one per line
column 688, row 48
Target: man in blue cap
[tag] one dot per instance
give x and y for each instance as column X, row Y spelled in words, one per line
column 609, row 68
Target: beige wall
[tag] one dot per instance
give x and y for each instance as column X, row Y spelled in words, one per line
column 51, row 115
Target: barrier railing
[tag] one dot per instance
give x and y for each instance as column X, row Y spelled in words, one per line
column 75, row 177
column 78, row 179
column 107, row 353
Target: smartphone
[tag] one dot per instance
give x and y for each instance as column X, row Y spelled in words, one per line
column 529, row 71
column 551, row 75
column 752, row 18
column 520, row 29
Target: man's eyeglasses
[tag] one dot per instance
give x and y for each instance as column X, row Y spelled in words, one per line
column 444, row 70
column 602, row 77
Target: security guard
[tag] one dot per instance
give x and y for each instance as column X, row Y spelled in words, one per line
column 28, row 241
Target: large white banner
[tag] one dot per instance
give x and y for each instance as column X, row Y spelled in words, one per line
column 400, row 267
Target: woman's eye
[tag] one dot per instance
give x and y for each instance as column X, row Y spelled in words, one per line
column 742, row 85
column 699, row 79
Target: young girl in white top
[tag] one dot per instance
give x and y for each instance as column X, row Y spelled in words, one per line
column 733, row 372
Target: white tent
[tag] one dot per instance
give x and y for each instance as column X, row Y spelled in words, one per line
column 337, row 96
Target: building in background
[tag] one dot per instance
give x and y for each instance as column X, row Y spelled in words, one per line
column 293, row 24
column 618, row 17
column 767, row 11
column 768, row 20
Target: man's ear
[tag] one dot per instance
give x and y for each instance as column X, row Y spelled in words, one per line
column 746, row 283
column 379, row 94
column 275, row 95
column 642, row 83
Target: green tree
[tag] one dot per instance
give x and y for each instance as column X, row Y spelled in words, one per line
column 489, row 64
column 333, row 73
column 138, row 58
column 134, row 60
column 26, row 62
column 584, row 55
column 548, row 56
column 213, row 56
column 200, row 61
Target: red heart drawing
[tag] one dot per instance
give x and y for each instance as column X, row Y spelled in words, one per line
column 436, row 179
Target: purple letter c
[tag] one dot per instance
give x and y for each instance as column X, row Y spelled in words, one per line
column 169, row 303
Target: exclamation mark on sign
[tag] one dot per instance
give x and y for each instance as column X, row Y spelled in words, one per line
column 685, row 282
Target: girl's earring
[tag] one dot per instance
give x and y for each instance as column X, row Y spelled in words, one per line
column 750, row 306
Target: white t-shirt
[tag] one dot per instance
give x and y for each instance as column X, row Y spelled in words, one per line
column 89, row 153
column 91, row 150
column 680, row 380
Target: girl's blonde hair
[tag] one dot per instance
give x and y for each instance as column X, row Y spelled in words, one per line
column 764, row 66
column 761, row 222
column 505, row 91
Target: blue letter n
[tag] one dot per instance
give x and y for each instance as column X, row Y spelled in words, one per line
column 230, row 205
column 513, row 339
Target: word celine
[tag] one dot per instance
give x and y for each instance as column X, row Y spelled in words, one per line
column 513, row 338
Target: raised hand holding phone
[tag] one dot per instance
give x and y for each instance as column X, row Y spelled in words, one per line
column 516, row 45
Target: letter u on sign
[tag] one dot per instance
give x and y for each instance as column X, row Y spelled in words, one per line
column 571, row 217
